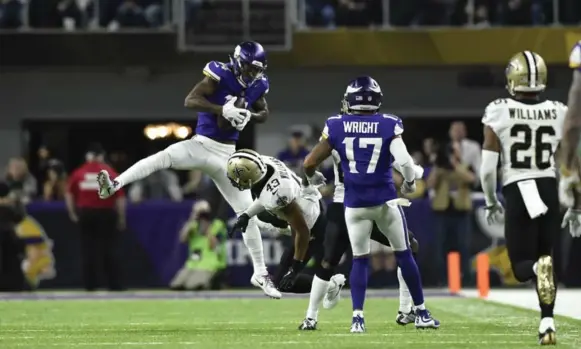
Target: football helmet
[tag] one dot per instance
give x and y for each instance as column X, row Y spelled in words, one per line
column 245, row 168
column 363, row 94
column 248, row 62
column 526, row 72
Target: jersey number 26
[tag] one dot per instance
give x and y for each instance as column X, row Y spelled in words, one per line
column 539, row 147
column 363, row 143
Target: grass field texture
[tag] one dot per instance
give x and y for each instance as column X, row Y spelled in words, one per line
column 264, row 323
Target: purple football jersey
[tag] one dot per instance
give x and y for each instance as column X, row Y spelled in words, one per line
column 228, row 85
column 362, row 142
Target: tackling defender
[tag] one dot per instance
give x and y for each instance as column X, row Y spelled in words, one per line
column 526, row 130
column 218, row 126
column 363, row 138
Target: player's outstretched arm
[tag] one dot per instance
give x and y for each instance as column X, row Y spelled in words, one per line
column 572, row 129
column 261, row 110
column 490, row 155
column 197, row 100
column 294, row 216
column 315, row 158
column 401, row 156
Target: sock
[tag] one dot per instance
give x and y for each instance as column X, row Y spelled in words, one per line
column 318, row 291
column 546, row 323
column 405, row 300
column 358, row 281
column 411, row 275
column 144, row 168
column 358, row 313
column 253, row 242
column 547, row 310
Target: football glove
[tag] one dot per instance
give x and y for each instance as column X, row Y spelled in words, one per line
column 494, row 213
column 573, row 220
column 317, row 179
column 240, row 225
column 288, row 280
column 235, row 115
column 568, row 183
column 408, row 187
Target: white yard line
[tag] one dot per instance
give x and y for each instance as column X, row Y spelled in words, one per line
column 568, row 301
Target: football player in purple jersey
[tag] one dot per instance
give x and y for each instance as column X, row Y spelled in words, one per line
column 220, row 119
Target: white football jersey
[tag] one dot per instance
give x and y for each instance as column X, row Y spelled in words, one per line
column 284, row 187
column 529, row 135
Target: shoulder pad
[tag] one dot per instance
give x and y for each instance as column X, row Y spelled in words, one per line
column 216, row 70
column 330, row 120
column 398, row 126
column 492, row 113
column 575, row 56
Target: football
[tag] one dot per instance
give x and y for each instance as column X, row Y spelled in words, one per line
column 225, row 124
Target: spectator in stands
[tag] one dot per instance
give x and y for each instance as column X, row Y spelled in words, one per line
column 359, row 13
column 55, row 185
column 470, row 150
column 11, row 246
column 20, row 181
column 451, row 182
column 136, row 14
column 320, row 13
column 205, row 238
column 160, row 185
column 295, row 152
column 10, row 14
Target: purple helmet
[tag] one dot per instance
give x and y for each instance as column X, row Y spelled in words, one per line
column 248, row 61
column 363, row 94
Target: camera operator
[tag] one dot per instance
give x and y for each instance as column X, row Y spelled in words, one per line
column 11, row 247
column 451, row 183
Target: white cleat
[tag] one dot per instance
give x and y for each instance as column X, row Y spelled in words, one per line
column 333, row 295
column 265, row 283
column 358, row 324
column 106, row 185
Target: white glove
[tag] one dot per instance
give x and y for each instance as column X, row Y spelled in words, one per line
column 243, row 124
column 573, row 220
column 494, row 213
column 567, row 190
column 233, row 114
column 408, row 187
column 317, row 179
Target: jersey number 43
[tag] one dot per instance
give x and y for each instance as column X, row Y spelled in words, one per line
column 362, row 143
column 540, row 148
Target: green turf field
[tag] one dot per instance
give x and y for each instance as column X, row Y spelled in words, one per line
column 263, row 323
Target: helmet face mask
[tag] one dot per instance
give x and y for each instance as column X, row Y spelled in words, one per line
column 526, row 73
column 245, row 168
column 248, row 62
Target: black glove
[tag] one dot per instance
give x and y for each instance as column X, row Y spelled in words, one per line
column 288, row 280
column 240, row 225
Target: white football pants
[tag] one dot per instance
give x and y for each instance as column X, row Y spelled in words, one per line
column 390, row 220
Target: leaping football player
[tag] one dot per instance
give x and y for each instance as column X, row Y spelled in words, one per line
column 220, row 119
column 526, row 129
column 364, row 139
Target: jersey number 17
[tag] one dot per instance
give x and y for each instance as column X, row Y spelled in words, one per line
column 362, row 143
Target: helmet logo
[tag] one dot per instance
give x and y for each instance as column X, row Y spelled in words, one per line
column 238, row 171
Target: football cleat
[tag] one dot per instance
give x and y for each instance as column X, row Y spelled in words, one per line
column 425, row 320
column 333, row 294
column 405, row 318
column 547, row 332
column 358, row 324
column 308, row 325
column 265, row 283
column 106, row 185
column 545, row 282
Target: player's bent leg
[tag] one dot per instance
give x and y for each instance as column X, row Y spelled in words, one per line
column 359, row 227
column 393, row 224
column 187, row 154
column 239, row 201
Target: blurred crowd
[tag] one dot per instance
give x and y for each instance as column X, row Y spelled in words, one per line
column 115, row 14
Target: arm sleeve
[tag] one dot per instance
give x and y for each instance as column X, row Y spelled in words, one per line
column 488, row 176
column 401, row 156
column 254, row 209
